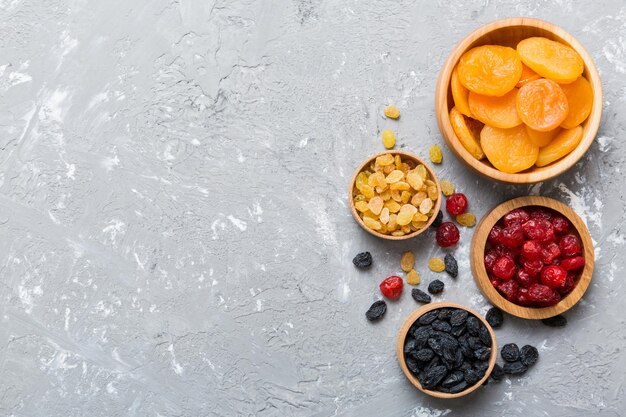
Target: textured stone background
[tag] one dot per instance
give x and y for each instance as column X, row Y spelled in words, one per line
column 174, row 233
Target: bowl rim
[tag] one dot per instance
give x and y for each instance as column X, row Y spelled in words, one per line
column 404, row 329
column 479, row 240
column 590, row 127
column 403, row 153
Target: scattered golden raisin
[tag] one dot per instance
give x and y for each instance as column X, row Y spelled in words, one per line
column 407, row 261
column 392, row 112
column 447, row 188
column 435, row 154
column 436, row 264
column 389, row 138
column 413, row 278
column 466, row 219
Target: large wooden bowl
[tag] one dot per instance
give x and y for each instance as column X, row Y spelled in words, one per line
column 404, row 329
column 405, row 156
column 478, row 254
column 509, row 32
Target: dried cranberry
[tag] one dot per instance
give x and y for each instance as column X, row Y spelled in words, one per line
column 495, row 281
column 539, row 293
column 548, row 230
column 568, row 286
column 391, row 287
column 447, row 234
column 490, row 259
column 531, row 250
column 495, row 234
column 513, row 236
column 553, row 276
column 570, row 245
column 560, row 225
column 550, row 253
column 533, row 230
column 504, row 267
column 522, row 297
column 509, row 289
column 456, row 204
column 570, row 264
column 524, row 279
column 502, row 250
column 519, row 215
column 541, row 213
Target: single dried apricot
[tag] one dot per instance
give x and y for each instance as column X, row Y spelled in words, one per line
column 436, row 264
column 527, row 76
column 563, row 144
column 580, row 99
column 392, row 112
column 542, row 105
column 551, row 59
column 459, row 94
column 495, row 111
column 508, row 150
column 407, row 261
column 467, row 130
column 541, row 139
column 490, row 70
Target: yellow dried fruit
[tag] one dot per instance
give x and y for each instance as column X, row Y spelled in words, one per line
column 422, row 172
column 412, row 278
column 433, row 194
column 396, row 196
column 361, row 206
column 359, row 197
column 384, row 160
column 385, row 195
column 384, row 215
column 406, row 229
column 367, row 191
column 376, row 205
column 414, row 180
column 398, row 162
column 407, row 261
column 388, row 169
column 393, row 206
column 392, row 112
column 361, row 180
column 398, row 233
column 392, row 224
column 417, row 225
column 418, row 198
column 394, row 176
column 400, row 185
column 405, row 197
column 420, row 217
column 436, row 264
column 372, row 223
column 426, row 205
column 389, row 138
column 466, row 219
column 435, row 154
column 447, row 188
column 406, row 214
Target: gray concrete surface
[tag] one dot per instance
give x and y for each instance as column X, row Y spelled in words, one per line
column 174, row 233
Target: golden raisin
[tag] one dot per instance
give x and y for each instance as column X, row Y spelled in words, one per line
column 466, row 219
column 372, row 223
column 436, row 264
column 392, row 112
column 435, row 154
column 386, row 159
column 447, row 188
column 389, row 138
column 407, row 261
column 412, row 278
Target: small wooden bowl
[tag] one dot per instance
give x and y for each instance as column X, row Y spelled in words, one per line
column 509, row 32
column 478, row 254
column 405, row 155
column 404, row 330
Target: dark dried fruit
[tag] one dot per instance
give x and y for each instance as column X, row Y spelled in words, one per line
column 482, row 354
column 472, row 376
column 442, row 326
column 456, row 204
column 412, row 365
column 494, row 317
column 510, row 352
column 529, row 355
column 420, row 296
column 458, row 317
column 376, row 311
column 453, row 379
column 410, row 345
column 474, row 343
column 556, row 321
column 484, row 335
column 428, row 318
column 458, row 330
column 444, row 314
column 514, row 368
column 452, row 267
column 435, row 287
column 362, row 260
column 438, row 220
column 473, row 325
column 447, row 234
column 424, row 355
column 391, row 287
column 497, row 373
column 461, row 386
column 433, row 377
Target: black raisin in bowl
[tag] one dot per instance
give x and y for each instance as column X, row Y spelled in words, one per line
column 446, row 350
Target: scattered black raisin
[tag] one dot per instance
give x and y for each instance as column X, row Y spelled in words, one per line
column 377, row 310
column 434, row 376
column 458, row 317
column 497, row 373
column 529, row 355
column 514, row 368
column 438, row 220
column 420, row 296
column 494, row 317
column 484, row 335
column 452, row 268
column 428, row 317
column 556, row 321
column 435, row 287
column 442, row 326
column 510, row 352
column 473, row 325
column 482, row 354
column 424, row 355
column 362, row 260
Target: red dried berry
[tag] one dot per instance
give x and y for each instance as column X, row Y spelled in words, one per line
column 539, row 293
column 570, row 245
column 391, row 287
column 513, row 236
column 541, row 213
column 553, row 276
column 524, row 279
column 560, row 225
column 568, row 286
column 532, row 268
column 495, row 234
column 533, row 230
column 571, row 264
column 490, row 259
column 456, row 204
column 519, row 215
column 547, row 229
column 447, row 234
column 504, row 267
column 502, row 250
column 509, row 289
column 495, row 281
column 522, row 297
column 550, row 253
column 531, row 250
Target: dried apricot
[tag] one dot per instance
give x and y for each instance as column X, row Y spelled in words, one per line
column 542, row 105
column 509, row 150
column 467, row 130
column 459, row 94
column 436, row 264
column 541, row 139
column 392, row 112
column 527, row 76
column 563, row 144
column 490, row 70
column 412, row 277
column 551, row 59
column 389, row 138
column 407, row 261
column 495, row 111
column 580, row 99
column 435, row 154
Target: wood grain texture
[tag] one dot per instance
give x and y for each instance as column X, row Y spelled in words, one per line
column 404, row 329
column 405, row 155
column 480, row 273
column 509, row 32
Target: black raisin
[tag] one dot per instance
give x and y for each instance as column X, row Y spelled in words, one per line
column 421, row 336
column 420, row 296
column 435, row 344
column 438, row 220
column 434, row 376
column 412, row 365
column 409, row 345
column 482, row 354
column 494, row 317
column 458, row 330
column 362, row 260
column 436, row 361
column 510, row 352
column 377, row 310
column 452, row 268
column 556, row 321
column 465, row 348
column 484, row 335
column 435, row 287
column 459, row 387
column 481, row 367
column 442, row 326
column 444, row 314
column 471, row 376
column 428, row 317
column 424, row 355
column 497, row 373
column 458, row 317
column 459, row 358
column 474, row 343
column 453, row 379
column 529, row 355
column 514, row 368
column 473, row 325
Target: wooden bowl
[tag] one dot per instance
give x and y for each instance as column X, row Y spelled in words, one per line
column 480, row 273
column 404, row 329
column 405, row 155
column 509, row 32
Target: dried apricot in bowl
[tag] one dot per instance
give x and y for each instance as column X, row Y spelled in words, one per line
column 580, row 100
column 527, row 76
column 542, row 105
column 541, row 139
column 490, row 70
column 495, row 111
column 467, row 130
column 551, row 59
column 460, row 94
column 563, row 144
column 509, row 150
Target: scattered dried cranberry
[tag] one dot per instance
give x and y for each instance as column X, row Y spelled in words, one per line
column 504, row 267
column 447, row 234
column 570, row 264
column 513, row 236
column 509, row 289
column 531, row 250
column 391, row 287
column 519, row 215
column 456, row 204
column 495, row 234
column 550, row 253
column 560, row 225
column 553, row 276
column 570, row 245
